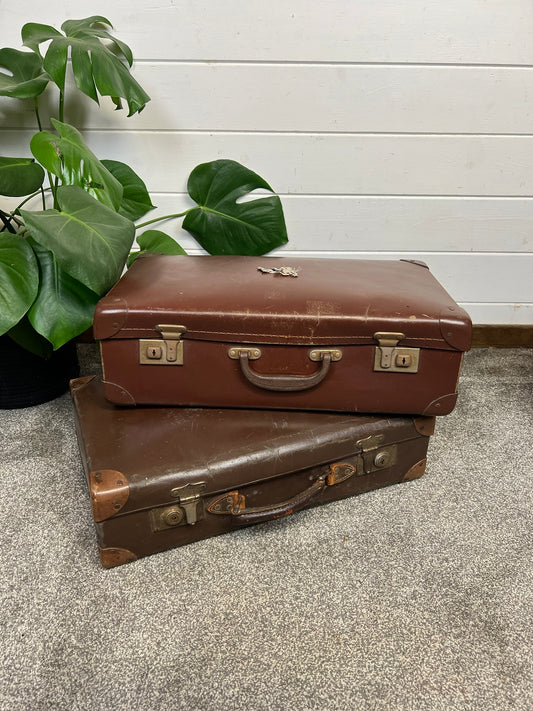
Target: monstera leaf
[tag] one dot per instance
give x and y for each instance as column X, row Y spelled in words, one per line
column 20, row 176
column 155, row 241
column 19, row 279
column 27, row 337
column 69, row 157
column 64, row 307
column 26, row 77
column 89, row 240
column 98, row 68
column 224, row 226
column 135, row 197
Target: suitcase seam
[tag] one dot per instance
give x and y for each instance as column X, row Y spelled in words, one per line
column 243, row 336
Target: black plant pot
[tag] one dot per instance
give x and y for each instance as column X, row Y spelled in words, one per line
column 27, row 379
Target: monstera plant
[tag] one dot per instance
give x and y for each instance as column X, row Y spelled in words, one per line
column 67, row 240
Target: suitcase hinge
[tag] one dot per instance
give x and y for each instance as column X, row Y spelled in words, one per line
column 165, row 351
column 389, row 357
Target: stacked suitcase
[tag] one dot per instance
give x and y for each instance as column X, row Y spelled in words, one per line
column 240, row 389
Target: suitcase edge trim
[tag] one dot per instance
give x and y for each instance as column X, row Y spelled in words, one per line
column 112, row 557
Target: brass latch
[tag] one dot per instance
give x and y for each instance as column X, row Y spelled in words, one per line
column 372, row 456
column 392, row 358
column 375, row 455
column 188, row 497
column 165, row 351
column 185, row 512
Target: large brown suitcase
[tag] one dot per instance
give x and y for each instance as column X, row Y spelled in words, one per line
column 325, row 334
column 163, row 477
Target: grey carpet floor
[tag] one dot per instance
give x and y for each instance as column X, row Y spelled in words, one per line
column 418, row 596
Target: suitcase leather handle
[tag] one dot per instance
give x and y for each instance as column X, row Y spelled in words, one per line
column 284, row 383
column 234, row 504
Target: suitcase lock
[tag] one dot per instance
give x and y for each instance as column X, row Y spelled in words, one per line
column 185, row 512
column 375, row 455
column 389, row 357
column 168, row 350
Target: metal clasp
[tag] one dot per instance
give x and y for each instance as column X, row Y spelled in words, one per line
column 185, row 512
column 188, row 497
column 390, row 357
column 165, row 351
column 375, row 455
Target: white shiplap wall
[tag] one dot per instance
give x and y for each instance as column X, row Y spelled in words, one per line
column 389, row 128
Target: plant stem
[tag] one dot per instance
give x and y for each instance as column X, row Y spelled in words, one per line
column 36, row 102
column 6, row 220
column 54, row 193
column 12, row 216
column 61, row 105
column 54, row 184
column 39, row 124
column 41, row 191
column 165, row 217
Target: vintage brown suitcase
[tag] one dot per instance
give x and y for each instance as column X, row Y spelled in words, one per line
column 325, row 334
column 163, row 477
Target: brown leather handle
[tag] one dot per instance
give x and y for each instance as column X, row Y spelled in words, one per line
column 284, row 383
column 234, row 504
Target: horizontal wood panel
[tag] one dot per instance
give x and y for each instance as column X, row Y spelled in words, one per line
column 424, row 165
column 503, row 313
column 456, row 31
column 309, row 98
column 385, row 223
column 327, row 164
column 414, row 224
column 332, row 98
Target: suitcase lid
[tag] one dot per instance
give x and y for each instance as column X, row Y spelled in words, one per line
column 135, row 458
column 329, row 301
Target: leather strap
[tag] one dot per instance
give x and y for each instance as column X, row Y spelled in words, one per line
column 233, row 504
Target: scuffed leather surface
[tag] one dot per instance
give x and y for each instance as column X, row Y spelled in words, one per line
column 158, row 449
column 227, row 298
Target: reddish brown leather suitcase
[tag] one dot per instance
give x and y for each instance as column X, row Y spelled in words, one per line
column 163, row 477
column 320, row 334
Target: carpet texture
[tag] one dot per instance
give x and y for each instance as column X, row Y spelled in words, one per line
column 418, row 596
